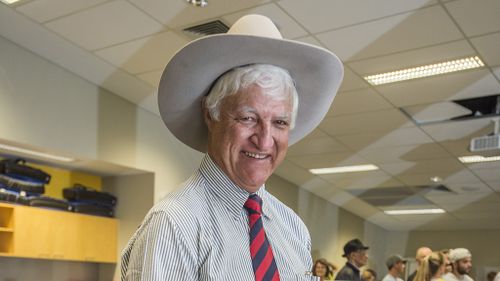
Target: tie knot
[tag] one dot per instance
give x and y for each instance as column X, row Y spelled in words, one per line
column 254, row 204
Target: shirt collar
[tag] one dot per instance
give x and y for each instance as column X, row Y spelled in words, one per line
column 231, row 196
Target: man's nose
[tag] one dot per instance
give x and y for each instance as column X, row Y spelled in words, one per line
column 263, row 136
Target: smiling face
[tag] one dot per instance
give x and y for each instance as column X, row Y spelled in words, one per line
column 251, row 138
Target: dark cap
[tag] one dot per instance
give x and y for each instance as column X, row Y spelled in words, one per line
column 394, row 259
column 353, row 246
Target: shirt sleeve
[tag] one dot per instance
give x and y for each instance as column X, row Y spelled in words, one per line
column 161, row 253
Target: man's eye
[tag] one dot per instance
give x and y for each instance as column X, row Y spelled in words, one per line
column 247, row 119
column 282, row 123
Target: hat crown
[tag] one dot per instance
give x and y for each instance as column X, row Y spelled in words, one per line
column 256, row 25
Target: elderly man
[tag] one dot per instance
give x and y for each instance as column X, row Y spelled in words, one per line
column 218, row 97
column 461, row 261
column 421, row 254
column 356, row 254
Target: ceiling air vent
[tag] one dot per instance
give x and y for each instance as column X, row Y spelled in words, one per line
column 209, row 28
column 487, row 144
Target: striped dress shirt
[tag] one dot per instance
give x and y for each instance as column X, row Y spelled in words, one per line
column 201, row 232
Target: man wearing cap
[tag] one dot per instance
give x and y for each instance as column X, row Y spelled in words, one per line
column 420, row 255
column 396, row 266
column 461, row 261
column 217, row 96
column 356, row 254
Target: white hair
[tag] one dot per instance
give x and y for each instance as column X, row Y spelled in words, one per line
column 275, row 82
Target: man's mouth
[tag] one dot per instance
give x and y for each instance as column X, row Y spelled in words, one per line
column 256, row 155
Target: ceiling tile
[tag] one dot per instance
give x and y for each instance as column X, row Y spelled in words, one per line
column 462, row 188
column 92, row 29
column 316, row 145
column 404, row 153
column 356, row 102
column 446, row 165
column 412, row 58
column 476, row 17
column 461, row 199
column 356, row 177
column 448, row 176
column 392, row 34
column 439, row 111
column 352, row 82
column 487, row 46
column 460, row 85
column 456, row 130
column 478, row 206
column 316, row 133
column 495, row 185
column 325, row 14
column 365, row 182
column 457, row 148
column 288, row 27
column 44, row 10
column 144, row 55
column 326, row 160
column 485, row 165
column 375, row 121
column 488, row 175
column 404, row 136
column 182, row 14
column 294, row 173
column 496, row 71
column 152, row 78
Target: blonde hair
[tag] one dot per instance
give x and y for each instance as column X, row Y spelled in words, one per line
column 429, row 266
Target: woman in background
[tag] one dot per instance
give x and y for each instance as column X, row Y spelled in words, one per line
column 323, row 269
column 369, row 275
column 431, row 268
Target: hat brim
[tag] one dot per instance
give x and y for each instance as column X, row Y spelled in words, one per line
column 192, row 71
column 360, row 248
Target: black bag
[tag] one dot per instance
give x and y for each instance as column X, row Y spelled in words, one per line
column 31, row 188
column 17, row 168
column 47, row 202
column 80, row 193
column 92, row 209
column 8, row 195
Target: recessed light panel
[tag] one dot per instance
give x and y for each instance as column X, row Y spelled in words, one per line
column 414, row 212
column 478, row 159
column 425, row 70
column 344, row 169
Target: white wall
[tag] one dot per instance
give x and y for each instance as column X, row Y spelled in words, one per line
column 43, row 105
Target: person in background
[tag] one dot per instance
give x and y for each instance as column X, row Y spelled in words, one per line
column 491, row 276
column 323, row 269
column 422, row 252
column 356, row 254
column 396, row 266
column 234, row 97
column 369, row 275
column 461, row 261
column 431, row 268
column 447, row 263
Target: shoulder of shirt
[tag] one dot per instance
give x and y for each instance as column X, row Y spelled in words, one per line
column 283, row 211
column 185, row 203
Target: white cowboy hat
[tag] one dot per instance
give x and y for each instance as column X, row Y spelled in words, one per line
column 252, row 39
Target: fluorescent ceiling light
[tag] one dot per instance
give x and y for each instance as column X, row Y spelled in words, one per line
column 44, row 155
column 8, row 2
column 425, row 70
column 414, row 212
column 344, row 169
column 478, row 159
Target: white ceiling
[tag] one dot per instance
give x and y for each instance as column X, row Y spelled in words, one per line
column 123, row 45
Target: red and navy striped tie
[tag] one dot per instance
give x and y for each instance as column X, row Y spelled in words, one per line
column 263, row 262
